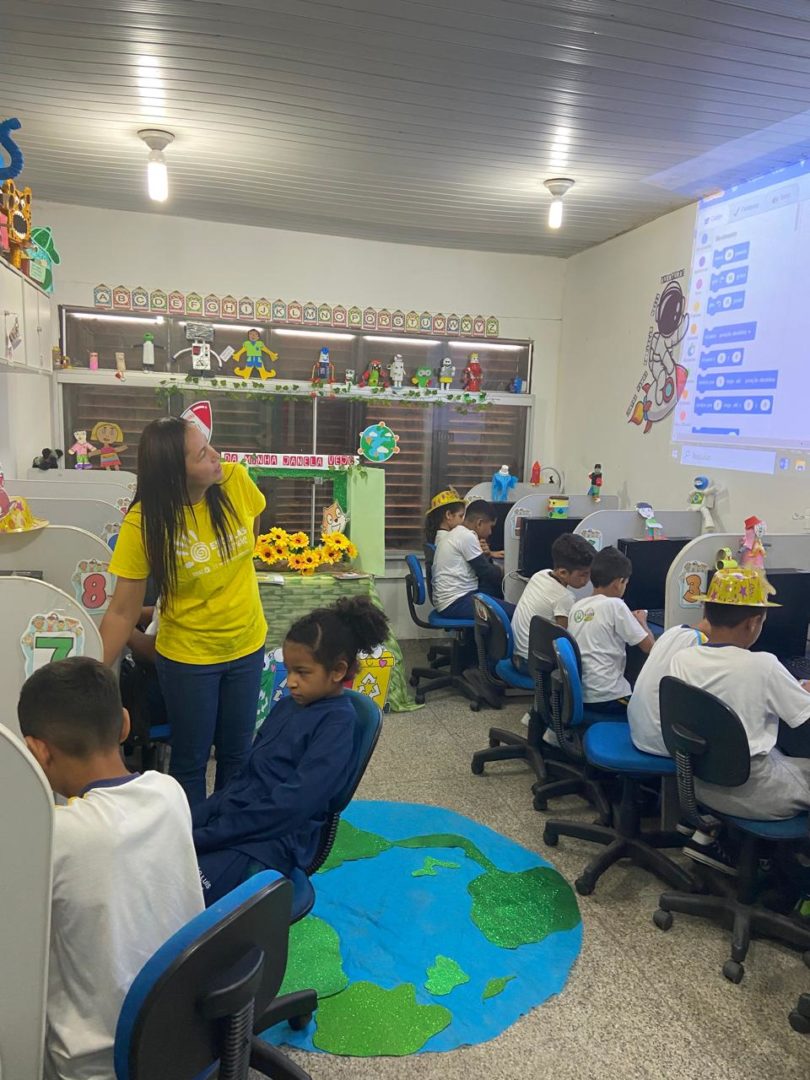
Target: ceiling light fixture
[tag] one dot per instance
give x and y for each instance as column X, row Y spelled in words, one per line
column 157, row 175
column 557, row 189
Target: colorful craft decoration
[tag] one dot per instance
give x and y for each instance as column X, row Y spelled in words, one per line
column 16, row 205
column 473, row 375
column 396, row 370
column 296, row 550
column 51, row 637
column 42, row 257
column 378, row 443
column 15, row 516
column 200, row 415
column 323, row 370
column 447, row 372
column 81, row 449
column 253, row 349
column 752, row 546
column 334, row 519
column 374, row 376
column 596, row 480
column 108, row 434
column 294, row 313
column 742, row 586
column 652, row 527
column 15, row 155
column 305, row 462
column 148, row 346
column 422, row 377
column 702, row 499
column 558, row 506
column 502, row 484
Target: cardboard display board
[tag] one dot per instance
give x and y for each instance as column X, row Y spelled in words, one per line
column 26, row 831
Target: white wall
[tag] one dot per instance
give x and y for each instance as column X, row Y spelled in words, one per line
column 26, row 422
column 606, row 317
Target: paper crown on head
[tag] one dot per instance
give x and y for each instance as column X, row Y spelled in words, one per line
column 750, row 522
column 742, row 586
column 444, row 498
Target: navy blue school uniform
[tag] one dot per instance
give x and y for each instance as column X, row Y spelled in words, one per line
column 272, row 811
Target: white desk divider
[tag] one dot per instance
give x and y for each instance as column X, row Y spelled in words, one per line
column 73, row 477
column 688, row 573
column 605, row 527
column 26, row 835
column 519, row 491
column 535, row 505
column 102, row 519
column 72, row 559
column 110, row 492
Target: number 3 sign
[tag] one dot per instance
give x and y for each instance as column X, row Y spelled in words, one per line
column 93, row 585
column 51, row 637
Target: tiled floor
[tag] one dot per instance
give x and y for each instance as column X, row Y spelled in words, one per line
column 639, row 1003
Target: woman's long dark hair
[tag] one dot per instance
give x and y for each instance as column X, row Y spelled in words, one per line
column 162, row 493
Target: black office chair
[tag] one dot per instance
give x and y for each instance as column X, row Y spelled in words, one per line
column 195, row 1007
column 441, row 676
column 800, row 1016
column 607, row 746
column 565, row 763
column 707, row 740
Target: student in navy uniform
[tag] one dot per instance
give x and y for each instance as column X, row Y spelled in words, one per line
column 270, row 814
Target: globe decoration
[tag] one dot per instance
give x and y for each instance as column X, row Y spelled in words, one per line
column 378, row 443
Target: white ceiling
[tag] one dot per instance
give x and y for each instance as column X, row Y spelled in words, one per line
column 421, row 121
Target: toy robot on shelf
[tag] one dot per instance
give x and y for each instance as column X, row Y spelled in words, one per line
column 396, row 371
column 201, row 353
column 502, row 484
column 422, row 377
column 374, row 376
column 752, row 547
column 596, row 479
column 702, row 499
column 148, row 347
column 254, row 350
column 323, row 370
column 472, row 376
column 350, row 376
column 447, row 372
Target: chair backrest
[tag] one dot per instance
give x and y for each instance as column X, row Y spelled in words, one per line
column 542, row 635
column 162, row 1031
column 705, row 731
column 415, row 581
column 367, row 728
column 430, row 553
column 566, row 705
column 493, row 631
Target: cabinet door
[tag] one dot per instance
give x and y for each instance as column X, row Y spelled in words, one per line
column 37, row 311
column 44, row 339
column 12, row 319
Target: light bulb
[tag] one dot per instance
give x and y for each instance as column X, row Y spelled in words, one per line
column 555, row 214
column 157, row 177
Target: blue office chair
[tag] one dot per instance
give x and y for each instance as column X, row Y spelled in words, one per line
column 193, row 1008
column 441, row 676
column 708, row 741
column 608, row 747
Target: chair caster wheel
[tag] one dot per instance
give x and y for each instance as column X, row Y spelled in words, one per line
column 806, row 958
column 550, row 837
column 493, row 742
column 419, row 698
column 799, row 1022
column 298, row 1023
column 414, row 680
column 584, row 886
column 475, row 706
column 477, row 767
column 662, row 919
column 733, row 971
column 539, row 803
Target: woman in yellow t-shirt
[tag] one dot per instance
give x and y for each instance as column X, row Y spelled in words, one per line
column 192, row 528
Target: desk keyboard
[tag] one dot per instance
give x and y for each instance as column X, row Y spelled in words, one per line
column 656, row 615
column 798, row 666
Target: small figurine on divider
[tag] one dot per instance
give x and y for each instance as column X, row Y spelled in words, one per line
column 82, row 449
column 423, row 377
column 596, row 479
column 254, row 350
column 396, row 371
column 323, row 370
column 374, row 376
column 48, row 459
column 537, row 471
column 502, row 484
column 108, row 434
column 447, row 372
column 752, row 547
column 702, row 498
column 652, row 526
column 472, row 376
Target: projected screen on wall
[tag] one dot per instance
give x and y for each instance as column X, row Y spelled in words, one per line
column 746, row 403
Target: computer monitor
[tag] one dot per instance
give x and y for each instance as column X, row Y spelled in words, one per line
column 499, row 510
column 785, row 629
column 651, row 561
column 536, row 537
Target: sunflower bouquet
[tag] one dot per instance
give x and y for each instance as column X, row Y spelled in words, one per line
column 295, row 549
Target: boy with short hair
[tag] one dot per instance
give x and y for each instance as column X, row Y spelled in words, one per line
column 548, row 592
column 125, row 874
column 758, row 688
column 461, row 568
column 603, row 626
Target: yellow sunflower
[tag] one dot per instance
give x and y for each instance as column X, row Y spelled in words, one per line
column 298, row 541
column 311, row 558
column 352, row 551
column 338, row 540
column 263, row 550
column 276, row 536
column 295, row 561
column 330, row 554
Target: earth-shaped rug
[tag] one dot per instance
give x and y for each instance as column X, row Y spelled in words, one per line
column 429, row 932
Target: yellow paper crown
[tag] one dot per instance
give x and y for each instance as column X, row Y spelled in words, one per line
column 444, row 498
column 744, row 586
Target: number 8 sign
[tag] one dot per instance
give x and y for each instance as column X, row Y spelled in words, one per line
column 51, row 637
column 93, row 585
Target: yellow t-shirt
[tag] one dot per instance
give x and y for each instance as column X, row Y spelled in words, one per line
column 216, row 614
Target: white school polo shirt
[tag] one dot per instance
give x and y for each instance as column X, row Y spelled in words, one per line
column 602, row 626
column 644, row 711
column 545, row 596
column 453, row 577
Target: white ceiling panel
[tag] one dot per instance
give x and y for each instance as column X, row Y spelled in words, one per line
column 421, row 121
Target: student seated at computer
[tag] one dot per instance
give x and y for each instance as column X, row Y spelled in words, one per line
column 548, row 592
column 125, row 875
column 758, row 688
column 460, row 567
column 603, row 626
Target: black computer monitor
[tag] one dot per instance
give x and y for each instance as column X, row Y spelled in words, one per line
column 499, row 511
column 536, row 537
column 651, row 561
column 785, row 629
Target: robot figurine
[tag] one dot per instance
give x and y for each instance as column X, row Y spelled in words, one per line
column 349, row 376
column 447, row 372
column 323, row 370
column 396, row 370
column 374, row 376
column 502, row 484
column 702, row 499
column 596, row 480
column 472, row 376
column 422, row 377
column 201, row 353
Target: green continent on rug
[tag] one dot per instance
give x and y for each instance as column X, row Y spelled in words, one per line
column 429, row 932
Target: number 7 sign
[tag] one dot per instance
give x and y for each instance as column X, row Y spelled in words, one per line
column 49, row 638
